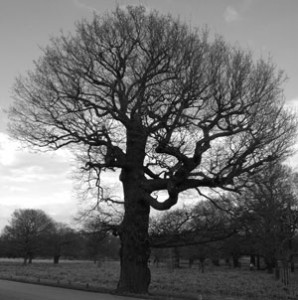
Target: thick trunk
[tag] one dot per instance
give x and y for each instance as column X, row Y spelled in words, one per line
column 135, row 248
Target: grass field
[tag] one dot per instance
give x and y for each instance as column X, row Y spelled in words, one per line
column 216, row 283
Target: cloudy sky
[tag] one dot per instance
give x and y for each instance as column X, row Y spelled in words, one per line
column 267, row 27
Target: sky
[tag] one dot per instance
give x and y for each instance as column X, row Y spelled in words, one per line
column 45, row 180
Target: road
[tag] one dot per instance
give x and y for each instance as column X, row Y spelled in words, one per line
column 11, row 290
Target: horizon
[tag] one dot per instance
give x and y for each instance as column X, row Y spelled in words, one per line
column 45, row 180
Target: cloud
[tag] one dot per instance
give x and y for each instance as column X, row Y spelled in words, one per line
column 41, row 181
column 34, row 179
column 292, row 104
column 80, row 4
column 231, row 15
column 7, row 150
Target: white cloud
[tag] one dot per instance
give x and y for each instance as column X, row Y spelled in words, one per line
column 292, row 104
column 231, row 14
column 7, row 150
column 36, row 180
column 81, row 4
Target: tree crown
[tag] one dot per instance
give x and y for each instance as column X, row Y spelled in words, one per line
column 134, row 87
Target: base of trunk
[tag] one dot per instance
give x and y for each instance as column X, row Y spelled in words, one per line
column 134, row 253
column 134, row 278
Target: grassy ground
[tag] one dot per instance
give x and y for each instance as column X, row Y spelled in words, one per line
column 215, row 283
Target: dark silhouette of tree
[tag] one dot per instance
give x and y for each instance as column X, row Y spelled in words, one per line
column 270, row 216
column 27, row 232
column 62, row 241
column 198, row 225
column 95, row 232
column 173, row 110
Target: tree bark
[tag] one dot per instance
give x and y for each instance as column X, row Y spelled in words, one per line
column 135, row 248
column 135, row 274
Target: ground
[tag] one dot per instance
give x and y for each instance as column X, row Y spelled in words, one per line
column 216, row 283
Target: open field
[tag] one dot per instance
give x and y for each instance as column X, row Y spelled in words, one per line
column 215, row 283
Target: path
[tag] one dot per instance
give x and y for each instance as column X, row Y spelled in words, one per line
column 11, row 290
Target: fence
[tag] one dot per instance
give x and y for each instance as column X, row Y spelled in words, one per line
column 290, row 282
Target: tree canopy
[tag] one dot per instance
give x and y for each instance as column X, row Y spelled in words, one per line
column 27, row 231
column 207, row 112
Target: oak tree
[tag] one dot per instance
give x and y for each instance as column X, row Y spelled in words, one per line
column 168, row 106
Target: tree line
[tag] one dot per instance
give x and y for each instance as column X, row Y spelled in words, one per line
column 32, row 233
column 261, row 223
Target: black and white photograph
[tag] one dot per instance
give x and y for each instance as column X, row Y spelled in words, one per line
column 149, row 149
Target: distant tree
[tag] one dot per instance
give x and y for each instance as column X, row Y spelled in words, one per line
column 142, row 92
column 28, row 231
column 95, row 233
column 62, row 241
column 271, row 213
column 6, row 247
column 198, row 253
column 200, row 224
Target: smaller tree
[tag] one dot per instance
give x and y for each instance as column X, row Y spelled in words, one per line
column 28, row 231
column 270, row 213
column 63, row 240
column 95, row 234
column 204, row 223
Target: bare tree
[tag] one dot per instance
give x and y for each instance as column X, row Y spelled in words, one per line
column 201, row 224
column 27, row 231
column 270, row 213
column 62, row 240
column 144, row 93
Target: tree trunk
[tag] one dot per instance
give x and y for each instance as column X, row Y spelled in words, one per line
column 258, row 262
column 56, row 259
column 270, row 264
column 216, row 262
column 202, row 264
column 135, row 248
column 135, row 274
column 276, row 271
column 236, row 261
column 253, row 259
column 292, row 267
column 175, row 258
column 190, row 262
column 30, row 258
